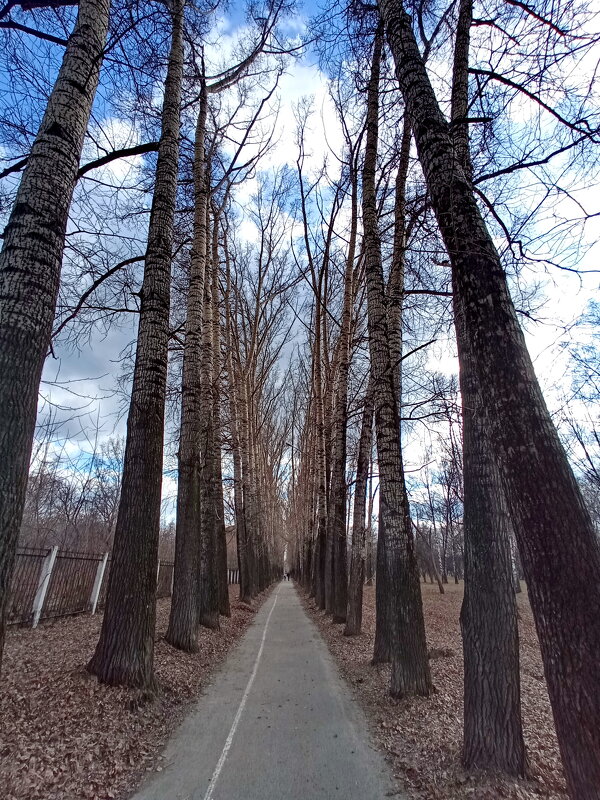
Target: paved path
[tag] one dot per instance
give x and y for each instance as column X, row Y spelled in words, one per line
column 276, row 723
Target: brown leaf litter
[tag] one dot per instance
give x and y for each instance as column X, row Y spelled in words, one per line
column 422, row 737
column 64, row 736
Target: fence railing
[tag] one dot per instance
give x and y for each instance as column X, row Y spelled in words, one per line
column 48, row 583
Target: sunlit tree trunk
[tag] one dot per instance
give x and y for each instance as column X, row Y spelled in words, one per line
column 30, row 264
column 125, row 650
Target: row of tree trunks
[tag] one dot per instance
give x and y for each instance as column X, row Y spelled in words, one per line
column 124, row 653
column 256, row 501
column 557, row 543
column 30, row 265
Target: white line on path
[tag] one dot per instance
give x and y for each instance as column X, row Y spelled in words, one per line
column 238, row 716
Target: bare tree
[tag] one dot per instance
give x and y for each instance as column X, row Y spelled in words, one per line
column 545, row 502
column 30, row 264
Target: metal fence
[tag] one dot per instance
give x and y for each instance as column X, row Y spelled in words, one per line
column 48, row 583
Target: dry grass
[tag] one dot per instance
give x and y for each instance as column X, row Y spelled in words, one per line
column 64, row 736
column 422, row 737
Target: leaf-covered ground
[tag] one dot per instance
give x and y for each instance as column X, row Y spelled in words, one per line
column 64, row 736
column 422, row 737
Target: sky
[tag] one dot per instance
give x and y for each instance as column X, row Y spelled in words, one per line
column 81, row 383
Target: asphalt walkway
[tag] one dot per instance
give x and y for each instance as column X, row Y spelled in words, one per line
column 277, row 722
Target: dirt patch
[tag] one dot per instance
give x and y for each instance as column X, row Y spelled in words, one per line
column 64, row 736
column 422, row 738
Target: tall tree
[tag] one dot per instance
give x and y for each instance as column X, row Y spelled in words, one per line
column 493, row 735
column 336, row 520
column 30, row 264
column 183, row 617
column 124, row 653
column 557, row 542
column 395, row 302
column 410, row 666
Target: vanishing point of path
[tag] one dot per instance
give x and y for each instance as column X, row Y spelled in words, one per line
column 277, row 722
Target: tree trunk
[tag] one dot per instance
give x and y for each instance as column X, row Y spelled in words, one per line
column 224, row 608
column 30, row 264
column 410, row 665
column 209, row 576
column 395, row 300
column 183, row 619
column 248, row 529
column 370, row 537
column 382, row 646
column 493, row 734
column 556, row 538
column 357, row 560
column 125, row 650
column 323, row 566
column 338, row 490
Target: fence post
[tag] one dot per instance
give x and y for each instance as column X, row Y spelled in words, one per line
column 43, row 583
column 95, row 596
column 157, row 575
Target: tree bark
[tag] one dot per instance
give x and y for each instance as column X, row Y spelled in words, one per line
column 30, row 264
column 410, row 665
column 493, row 734
column 183, row 619
column 357, row 559
column 224, row 608
column 125, row 650
column 208, row 612
column 556, row 538
column 338, row 491
column 395, row 301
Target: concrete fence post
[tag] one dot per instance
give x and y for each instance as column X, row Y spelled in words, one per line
column 157, row 574
column 43, row 583
column 95, row 596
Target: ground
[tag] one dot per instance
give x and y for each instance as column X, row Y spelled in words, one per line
column 65, row 736
column 278, row 723
column 422, row 737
